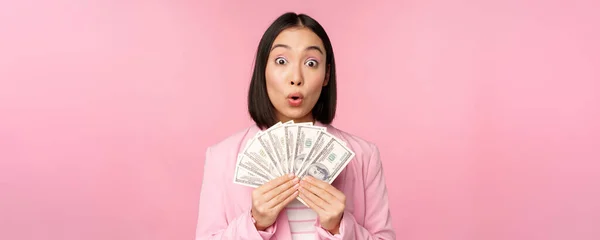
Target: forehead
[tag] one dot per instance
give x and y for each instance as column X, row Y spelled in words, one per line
column 298, row 37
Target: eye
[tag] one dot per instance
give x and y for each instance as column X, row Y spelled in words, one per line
column 312, row 63
column 280, row 60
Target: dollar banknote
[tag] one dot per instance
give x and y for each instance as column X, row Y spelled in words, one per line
column 277, row 141
column 248, row 176
column 259, row 155
column 319, row 143
column 291, row 133
column 299, row 148
column 305, row 141
column 329, row 162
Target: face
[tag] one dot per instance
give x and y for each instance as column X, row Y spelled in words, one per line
column 317, row 172
column 295, row 74
column 299, row 161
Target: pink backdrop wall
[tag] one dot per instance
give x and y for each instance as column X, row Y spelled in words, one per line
column 487, row 113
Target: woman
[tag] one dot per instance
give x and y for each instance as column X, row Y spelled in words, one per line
column 294, row 79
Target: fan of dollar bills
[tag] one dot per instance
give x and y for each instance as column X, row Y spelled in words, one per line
column 299, row 148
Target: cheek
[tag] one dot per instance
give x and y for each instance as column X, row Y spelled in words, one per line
column 315, row 81
column 316, row 88
column 273, row 80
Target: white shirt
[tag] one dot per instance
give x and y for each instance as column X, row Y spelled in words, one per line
column 302, row 220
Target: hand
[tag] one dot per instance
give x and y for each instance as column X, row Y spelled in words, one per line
column 270, row 198
column 328, row 202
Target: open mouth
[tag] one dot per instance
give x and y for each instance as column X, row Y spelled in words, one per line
column 295, row 99
column 295, row 96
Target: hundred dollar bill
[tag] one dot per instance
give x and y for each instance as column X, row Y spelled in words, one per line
column 246, row 176
column 247, row 163
column 278, row 142
column 261, row 132
column 305, row 139
column 267, row 147
column 322, row 139
column 257, row 154
column 328, row 164
column 291, row 134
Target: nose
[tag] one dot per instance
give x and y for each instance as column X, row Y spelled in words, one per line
column 297, row 78
column 296, row 82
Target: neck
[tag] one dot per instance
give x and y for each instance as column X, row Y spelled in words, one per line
column 307, row 118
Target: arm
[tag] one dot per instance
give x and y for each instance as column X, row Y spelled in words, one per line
column 377, row 223
column 212, row 222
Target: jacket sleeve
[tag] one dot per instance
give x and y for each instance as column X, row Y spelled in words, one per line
column 378, row 222
column 212, row 221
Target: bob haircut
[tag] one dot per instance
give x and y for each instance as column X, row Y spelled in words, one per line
column 260, row 107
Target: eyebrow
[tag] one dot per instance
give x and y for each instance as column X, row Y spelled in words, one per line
column 288, row 47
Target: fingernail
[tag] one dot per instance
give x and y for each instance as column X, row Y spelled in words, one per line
column 291, row 175
column 296, row 180
column 297, row 185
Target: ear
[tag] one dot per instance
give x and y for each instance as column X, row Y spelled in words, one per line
column 327, row 76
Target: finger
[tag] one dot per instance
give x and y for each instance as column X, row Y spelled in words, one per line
column 326, row 186
column 311, row 204
column 289, row 199
column 275, row 183
column 315, row 199
column 281, row 196
column 274, row 193
column 319, row 192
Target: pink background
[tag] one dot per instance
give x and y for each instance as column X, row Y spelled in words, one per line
column 487, row 113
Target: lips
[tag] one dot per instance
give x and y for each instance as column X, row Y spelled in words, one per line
column 295, row 95
column 295, row 99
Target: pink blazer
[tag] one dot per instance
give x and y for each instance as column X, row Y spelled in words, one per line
column 224, row 211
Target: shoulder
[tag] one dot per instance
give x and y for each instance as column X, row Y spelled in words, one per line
column 358, row 144
column 233, row 142
column 367, row 160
